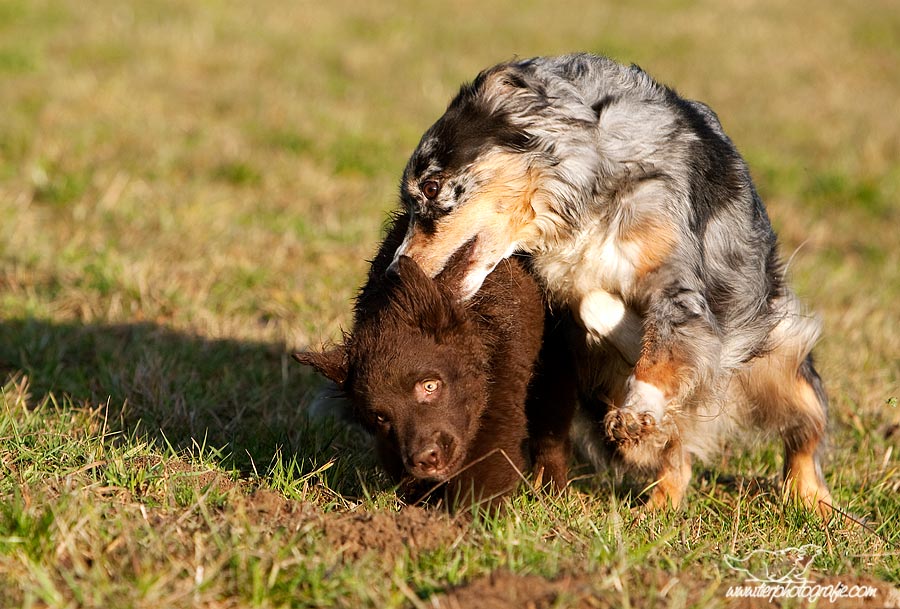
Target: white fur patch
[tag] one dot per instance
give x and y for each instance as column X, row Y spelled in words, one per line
column 473, row 281
column 606, row 318
column 476, row 276
column 601, row 312
column 644, row 397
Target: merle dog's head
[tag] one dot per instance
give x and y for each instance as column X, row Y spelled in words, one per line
column 490, row 168
column 416, row 372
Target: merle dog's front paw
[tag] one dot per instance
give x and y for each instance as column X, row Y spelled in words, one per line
column 624, row 426
column 644, row 413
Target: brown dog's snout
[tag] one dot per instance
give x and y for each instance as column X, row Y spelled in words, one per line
column 432, row 457
column 429, row 458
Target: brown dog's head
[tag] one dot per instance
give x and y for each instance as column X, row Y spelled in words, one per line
column 416, row 372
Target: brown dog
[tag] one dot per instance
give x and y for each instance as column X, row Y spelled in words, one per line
column 443, row 385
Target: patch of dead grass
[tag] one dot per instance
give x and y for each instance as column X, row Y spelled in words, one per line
column 188, row 192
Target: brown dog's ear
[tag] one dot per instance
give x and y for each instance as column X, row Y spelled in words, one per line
column 420, row 302
column 331, row 364
column 451, row 276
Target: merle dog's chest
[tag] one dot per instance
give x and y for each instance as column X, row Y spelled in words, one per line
column 595, row 275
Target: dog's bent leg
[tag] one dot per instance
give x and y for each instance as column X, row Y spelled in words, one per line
column 788, row 397
column 679, row 351
column 803, row 442
column 798, row 407
column 804, row 439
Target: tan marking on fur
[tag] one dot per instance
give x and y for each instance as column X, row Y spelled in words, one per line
column 779, row 395
column 431, row 251
column 650, row 241
column 672, row 479
column 500, row 214
column 662, row 374
column 801, row 471
column 510, row 184
column 802, row 481
column 783, row 400
column 661, row 368
column 806, row 397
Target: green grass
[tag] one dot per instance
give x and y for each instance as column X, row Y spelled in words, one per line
column 189, row 192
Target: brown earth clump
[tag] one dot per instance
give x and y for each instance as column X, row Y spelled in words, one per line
column 389, row 533
column 355, row 534
column 504, row 590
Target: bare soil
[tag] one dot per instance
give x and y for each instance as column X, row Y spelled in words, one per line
column 355, row 534
column 414, row 529
column 504, row 590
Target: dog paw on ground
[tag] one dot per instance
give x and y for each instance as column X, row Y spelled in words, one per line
column 626, row 427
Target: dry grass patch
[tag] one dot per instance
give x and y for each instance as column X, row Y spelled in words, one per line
column 188, row 193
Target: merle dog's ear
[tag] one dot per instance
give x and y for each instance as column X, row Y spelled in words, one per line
column 332, row 364
column 421, row 302
column 515, row 86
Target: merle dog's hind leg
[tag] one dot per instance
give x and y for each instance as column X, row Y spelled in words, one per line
column 804, row 441
column 788, row 396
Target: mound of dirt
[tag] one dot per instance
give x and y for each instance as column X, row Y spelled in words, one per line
column 504, row 590
column 355, row 534
column 414, row 529
column 276, row 510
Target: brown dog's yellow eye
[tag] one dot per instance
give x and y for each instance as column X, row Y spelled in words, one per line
column 430, row 188
column 428, row 390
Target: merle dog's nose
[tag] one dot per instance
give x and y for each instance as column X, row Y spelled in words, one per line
column 392, row 272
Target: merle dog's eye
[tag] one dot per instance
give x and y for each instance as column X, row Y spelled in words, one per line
column 430, row 188
column 431, row 386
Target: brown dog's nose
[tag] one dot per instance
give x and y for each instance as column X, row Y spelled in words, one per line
column 429, row 458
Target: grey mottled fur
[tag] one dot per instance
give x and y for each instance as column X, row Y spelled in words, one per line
column 627, row 172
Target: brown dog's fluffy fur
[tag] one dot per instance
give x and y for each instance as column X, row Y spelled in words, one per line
column 442, row 385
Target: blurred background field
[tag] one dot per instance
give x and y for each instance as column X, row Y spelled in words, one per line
column 190, row 191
